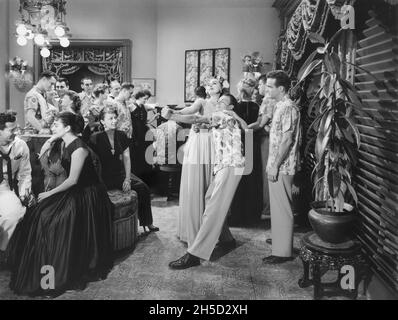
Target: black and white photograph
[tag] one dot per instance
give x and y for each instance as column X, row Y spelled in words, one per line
column 198, row 156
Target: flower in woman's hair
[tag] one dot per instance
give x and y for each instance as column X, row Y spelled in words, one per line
column 225, row 84
column 249, row 82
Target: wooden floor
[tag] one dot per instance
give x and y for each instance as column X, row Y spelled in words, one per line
column 238, row 274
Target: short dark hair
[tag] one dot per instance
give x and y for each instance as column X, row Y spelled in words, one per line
column 200, row 92
column 127, row 86
column 232, row 99
column 63, row 80
column 8, row 116
column 48, row 74
column 75, row 121
column 77, row 103
column 141, row 94
column 281, row 79
column 147, row 93
column 99, row 89
column 263, row 78
column 85, row 78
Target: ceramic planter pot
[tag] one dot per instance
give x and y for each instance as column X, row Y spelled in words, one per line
column 332, row 227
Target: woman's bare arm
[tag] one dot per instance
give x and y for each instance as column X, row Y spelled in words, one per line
column 195, row 107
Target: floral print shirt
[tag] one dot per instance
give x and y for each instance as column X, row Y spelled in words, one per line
column 227, row 141
column 124, row 119
column 267, row 109
column 87, row 102
column 286, row 118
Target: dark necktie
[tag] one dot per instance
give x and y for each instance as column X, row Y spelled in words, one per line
column 6, row 157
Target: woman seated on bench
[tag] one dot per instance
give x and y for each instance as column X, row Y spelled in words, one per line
column 112, row 148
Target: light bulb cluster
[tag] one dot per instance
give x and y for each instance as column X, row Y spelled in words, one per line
column 41, row 38
column 41, row 21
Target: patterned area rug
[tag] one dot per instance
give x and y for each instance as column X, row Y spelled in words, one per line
column 237, row 274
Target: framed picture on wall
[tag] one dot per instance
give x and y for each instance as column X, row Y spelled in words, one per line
column 144, row 84
column 201, row 65
column 191, row 74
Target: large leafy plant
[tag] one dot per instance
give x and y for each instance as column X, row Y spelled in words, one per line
column 337, row 137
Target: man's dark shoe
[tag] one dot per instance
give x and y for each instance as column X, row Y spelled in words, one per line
column 227, row 245
column 276, row 259
column 186, row 261
column 269, row 241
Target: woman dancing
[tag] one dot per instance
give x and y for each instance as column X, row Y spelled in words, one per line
column 198, row 162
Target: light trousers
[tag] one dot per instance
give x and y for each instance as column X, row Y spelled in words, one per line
column 11, row 211
column 281, row 215
column 217, row 202
column 264, row 159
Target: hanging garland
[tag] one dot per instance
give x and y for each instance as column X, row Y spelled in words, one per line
column 309, row 17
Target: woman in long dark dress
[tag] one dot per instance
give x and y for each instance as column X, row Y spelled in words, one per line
column 247, row 203
column 70, row 229
column 139, row 120
column 51, row 152
column 112, row 148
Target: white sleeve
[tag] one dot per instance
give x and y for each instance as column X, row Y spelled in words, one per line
column 24, row 175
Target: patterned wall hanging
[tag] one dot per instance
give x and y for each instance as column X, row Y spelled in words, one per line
column 202, row 65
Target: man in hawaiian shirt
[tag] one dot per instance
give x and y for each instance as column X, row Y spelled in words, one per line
column 14, row 167
column 124, row 113
column 38, row 113
column 86, row 96
column 265, row 115
column 229, row 165
column 283, row 163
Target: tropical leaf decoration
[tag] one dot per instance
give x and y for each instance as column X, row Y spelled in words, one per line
column 337, row 137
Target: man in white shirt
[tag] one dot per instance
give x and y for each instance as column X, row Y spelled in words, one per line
column 283, row 163
column 114, row 90
column 124, row 113
column 15, row 170
column 86, row 96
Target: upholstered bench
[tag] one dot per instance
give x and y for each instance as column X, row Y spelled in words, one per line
column 125, row 220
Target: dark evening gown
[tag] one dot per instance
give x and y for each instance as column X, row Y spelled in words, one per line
column 139, row 166
column 70, row 231
column 247, row 204
column 113, row 173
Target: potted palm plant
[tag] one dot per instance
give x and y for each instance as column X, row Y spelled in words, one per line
column 333, row 148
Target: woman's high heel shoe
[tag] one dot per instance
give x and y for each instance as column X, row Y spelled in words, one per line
column 153, row 228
